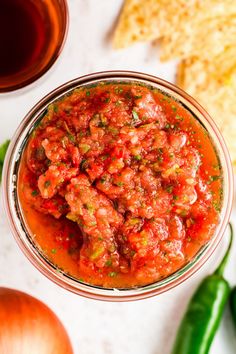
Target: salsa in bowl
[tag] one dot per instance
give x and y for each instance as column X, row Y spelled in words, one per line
column 118, row 185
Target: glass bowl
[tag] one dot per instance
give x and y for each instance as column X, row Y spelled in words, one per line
column 54, row 17
column 19, row 228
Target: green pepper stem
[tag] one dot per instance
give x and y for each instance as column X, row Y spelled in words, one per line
column 220, row 270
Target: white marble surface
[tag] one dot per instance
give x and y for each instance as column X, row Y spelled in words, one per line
column 142, row 327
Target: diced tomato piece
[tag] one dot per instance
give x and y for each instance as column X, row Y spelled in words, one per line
column 146, row 108
column 96, row 217
column 50, row 182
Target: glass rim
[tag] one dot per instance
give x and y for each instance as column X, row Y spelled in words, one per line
column 38, row 75
column 42, row 263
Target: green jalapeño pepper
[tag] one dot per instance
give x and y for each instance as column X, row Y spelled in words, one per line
column 204, row 312
column 3, row 150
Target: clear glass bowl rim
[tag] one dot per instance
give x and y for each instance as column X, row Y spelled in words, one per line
column 68, row 282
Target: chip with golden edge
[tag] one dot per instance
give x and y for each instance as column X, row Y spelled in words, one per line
column 146, row 20
column 206, row 37
column 213, row 84
column 134, row 23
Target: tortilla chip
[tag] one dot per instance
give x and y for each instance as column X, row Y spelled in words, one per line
column 134, row 24
column 215, row 90
column 204, row 38
column 146, row 20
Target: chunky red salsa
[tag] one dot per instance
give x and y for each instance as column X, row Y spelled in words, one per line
column 119, row 185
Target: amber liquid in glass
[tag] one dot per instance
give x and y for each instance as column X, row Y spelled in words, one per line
column 31, row 32
column 22, row 35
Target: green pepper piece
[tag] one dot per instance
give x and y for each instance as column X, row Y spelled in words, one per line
column 3, row 150
column 232, row 304
column 1, row 166
column 204, row 312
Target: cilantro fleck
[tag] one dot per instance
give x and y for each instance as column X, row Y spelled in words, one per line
column 54, row 250
column 174, row 108
column 135, row 115
column 47, row 184
column 128, row 95
column 104, row 157
column 112, row 274
column 71, row 138
column 93, row 223
column 119, row 184
column 118, row 90
column 118, row 103
column 138, row 157
column 87, row 93
column 108, row 263
column 216, row 205
column 81, row 134
column 35, row 193
column 213, row 178
column 84, row 148
column 103, row 179
column 216, row 166
column 113, row 130
column 166, row 98
column 90, row 208
column 169, row 189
